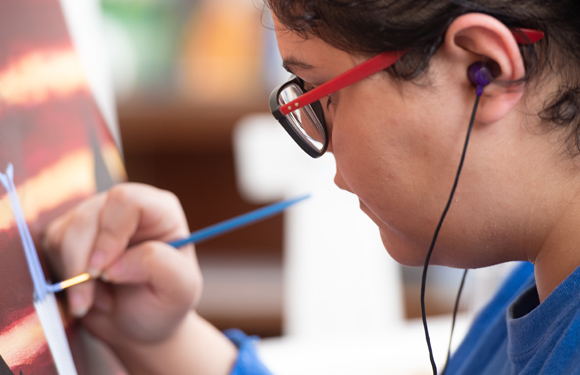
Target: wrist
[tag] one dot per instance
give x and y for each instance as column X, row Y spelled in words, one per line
column 195, row 347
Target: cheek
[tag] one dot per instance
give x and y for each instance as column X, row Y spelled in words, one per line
column 359, row 139
column 374, row 154
column 388, row 160
column 373, row 159
column 358, row 156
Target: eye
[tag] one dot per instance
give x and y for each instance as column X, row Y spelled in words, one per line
column 328, row 102
column 308, row 86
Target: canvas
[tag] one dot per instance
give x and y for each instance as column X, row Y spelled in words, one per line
column 61, row 152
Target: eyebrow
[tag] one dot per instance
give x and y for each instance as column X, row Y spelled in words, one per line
column 291, row 63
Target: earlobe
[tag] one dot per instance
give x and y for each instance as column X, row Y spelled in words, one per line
column 477, row 37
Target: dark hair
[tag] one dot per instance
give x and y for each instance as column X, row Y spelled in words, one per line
column 418, row 26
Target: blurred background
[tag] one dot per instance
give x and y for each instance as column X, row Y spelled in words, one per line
column 185, row 72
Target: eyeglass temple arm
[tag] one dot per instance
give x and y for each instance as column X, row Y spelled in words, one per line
column 377, row 63
column 526, row 36
column 372, row 65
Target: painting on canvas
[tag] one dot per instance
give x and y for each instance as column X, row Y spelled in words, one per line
column 61, row 151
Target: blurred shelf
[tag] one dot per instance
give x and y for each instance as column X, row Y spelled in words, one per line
column 181, row 126
column 243, row 291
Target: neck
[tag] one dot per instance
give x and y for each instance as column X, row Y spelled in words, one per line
column 559, row 256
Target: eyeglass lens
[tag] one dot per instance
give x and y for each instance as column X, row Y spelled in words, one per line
column 304, row 121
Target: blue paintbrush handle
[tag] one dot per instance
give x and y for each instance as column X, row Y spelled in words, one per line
column 209, row 232
column 237, row 222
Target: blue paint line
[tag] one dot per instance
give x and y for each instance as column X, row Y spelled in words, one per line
column 29, row 246
column 38, row 279
column 53, row 288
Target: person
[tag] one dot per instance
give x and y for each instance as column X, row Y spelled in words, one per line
column 398, row 136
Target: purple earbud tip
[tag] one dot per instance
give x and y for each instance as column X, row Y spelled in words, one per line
column 479, row 74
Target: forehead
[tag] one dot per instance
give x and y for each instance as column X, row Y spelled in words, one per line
column 312, row 50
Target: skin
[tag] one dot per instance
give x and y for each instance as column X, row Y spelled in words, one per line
column 397, row 146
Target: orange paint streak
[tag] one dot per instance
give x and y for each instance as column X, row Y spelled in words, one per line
column 38, row 76
column 71, row 177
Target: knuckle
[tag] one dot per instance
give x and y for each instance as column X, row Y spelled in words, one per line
column 151, row 255
column 171, row 198
column 174, row 205
column 82, row 218
column 119, row 195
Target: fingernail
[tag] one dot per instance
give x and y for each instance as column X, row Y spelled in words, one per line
column 96, row 264
column 78, row 305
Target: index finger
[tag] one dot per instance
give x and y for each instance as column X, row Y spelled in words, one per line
column 68, row 243
column 134, row 213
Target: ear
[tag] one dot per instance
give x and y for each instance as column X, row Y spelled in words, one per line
column 478, row 37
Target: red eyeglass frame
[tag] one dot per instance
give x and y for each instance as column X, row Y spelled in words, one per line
column 373, row 65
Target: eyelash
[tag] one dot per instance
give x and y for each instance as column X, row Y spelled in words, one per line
column 329, row 102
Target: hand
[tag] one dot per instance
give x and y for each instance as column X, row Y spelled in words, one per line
column 121, row 236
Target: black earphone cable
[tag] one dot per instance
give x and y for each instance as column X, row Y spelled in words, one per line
column 455, row 309
column 434, row 240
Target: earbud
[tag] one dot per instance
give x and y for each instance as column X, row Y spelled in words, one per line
column 480, row 75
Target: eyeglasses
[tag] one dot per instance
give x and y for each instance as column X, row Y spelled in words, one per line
column 299, row 110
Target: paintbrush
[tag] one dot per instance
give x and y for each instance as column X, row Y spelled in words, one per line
column 202, row 234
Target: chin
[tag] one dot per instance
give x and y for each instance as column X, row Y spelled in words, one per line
column 402, row 252
column 397, row 248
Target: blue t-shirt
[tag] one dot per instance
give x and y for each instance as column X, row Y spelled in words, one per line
column 247, row 362
column 515, row 334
